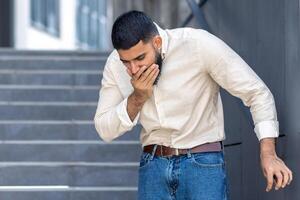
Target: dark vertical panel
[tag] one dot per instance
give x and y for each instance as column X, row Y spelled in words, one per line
column 270, row 63
column 5, row 24
column 234, row 171
column 250, row 162
column 238, row 27
column 43, row 13
column 210, row 10
column 292, row 67
column 165, row 13
column 254, row 29
column 232, row 118
column 138, row 5
column 270, row 52
column 291, row 124
column 169, row 19
column 119, row 7
column 231, row 30
column 228, row 30
column 33, row 8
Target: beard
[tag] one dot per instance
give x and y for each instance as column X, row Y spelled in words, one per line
column 158, row 61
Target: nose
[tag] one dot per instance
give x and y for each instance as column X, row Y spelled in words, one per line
column 134, row 68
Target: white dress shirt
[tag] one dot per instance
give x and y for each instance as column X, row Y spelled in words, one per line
column 185, row 109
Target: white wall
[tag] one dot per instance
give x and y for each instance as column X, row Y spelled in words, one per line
column 28, row 37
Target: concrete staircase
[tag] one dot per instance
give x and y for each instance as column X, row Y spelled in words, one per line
column 49, row 148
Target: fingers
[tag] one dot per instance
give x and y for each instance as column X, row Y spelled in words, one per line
column 290, row 176
column 152, row 76
column 285, row 178
column 279, row 179
column 144, row 79
column 269, row 181
column 139, row 73
column 146, row 74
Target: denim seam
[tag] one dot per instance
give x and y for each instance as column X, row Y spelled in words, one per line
column 207, row 165
column 147, row 161
column 194, row 161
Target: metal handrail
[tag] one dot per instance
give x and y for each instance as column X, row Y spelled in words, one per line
column 197, row 13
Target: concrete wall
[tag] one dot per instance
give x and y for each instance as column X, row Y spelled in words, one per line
column 266, row 35
column 291, row 114
column 5, row 24
column 28, row 37
column 167, row 13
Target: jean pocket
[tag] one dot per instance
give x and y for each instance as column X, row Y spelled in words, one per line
column 208, row 159
column 145, row 159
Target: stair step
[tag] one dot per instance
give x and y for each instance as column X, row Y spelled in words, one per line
column 47, row 77
column 57, row 130
column 49, row 94
column 70, row 195
column 48, row 112
column 51, row 63
column 70, row 151
column 73, row 175
column 48, row 101
column 61, row 53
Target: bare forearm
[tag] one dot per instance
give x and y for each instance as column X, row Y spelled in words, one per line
column 134, row 105
column 267, row 146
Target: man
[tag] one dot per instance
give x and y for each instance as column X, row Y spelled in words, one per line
column 169, row 81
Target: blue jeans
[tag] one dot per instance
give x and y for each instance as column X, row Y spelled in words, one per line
column 196, row 176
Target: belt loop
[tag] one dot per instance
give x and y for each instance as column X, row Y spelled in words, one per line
column 223, row 148
column 189, row 155
column 153, row 151
column 222, row 145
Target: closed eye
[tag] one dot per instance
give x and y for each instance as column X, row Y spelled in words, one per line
column 141, row 57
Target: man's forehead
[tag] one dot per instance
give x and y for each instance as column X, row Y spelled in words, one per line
column 135, row 51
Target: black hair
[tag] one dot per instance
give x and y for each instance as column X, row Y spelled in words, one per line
column 130, row 28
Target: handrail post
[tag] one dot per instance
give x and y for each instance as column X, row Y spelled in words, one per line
column 197, row 13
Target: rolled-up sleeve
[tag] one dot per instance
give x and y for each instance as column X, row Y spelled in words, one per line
column 111, row 118
column 232, row 73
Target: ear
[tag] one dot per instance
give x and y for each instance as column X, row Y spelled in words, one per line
column 157, row 42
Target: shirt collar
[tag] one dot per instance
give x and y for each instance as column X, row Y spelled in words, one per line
column 163, row 34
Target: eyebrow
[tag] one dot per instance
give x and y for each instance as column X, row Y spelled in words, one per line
column 143, row 54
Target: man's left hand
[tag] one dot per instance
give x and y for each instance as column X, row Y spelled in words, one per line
column 275, row 171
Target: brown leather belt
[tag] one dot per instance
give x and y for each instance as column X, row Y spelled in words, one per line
column 169, row 151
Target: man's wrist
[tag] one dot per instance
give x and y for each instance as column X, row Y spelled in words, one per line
column 134, row 105
column 136, row 100
column 267, row 147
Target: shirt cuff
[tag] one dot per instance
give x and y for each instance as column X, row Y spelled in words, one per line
column 267, row 129
column 124, row 117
